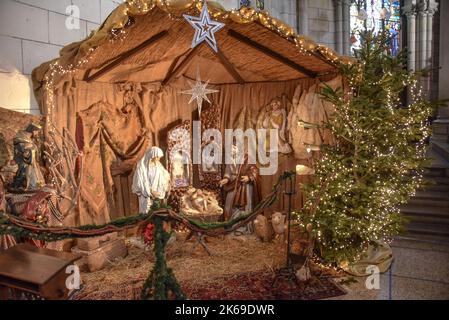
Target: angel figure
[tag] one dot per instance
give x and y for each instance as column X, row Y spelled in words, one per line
column 274, row 116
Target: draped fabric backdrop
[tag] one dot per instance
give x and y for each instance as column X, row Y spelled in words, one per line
column 115, row 123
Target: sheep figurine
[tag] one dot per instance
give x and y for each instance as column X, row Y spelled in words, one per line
column 303, row 274
column 279, row 226
column 262, row 228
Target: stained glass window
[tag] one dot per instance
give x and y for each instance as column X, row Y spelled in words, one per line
column 377, row 15
column 247, row 3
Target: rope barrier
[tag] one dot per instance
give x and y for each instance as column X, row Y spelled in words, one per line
column 18, row 226
column 161, row 280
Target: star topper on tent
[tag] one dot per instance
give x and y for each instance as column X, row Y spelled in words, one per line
column 205, row 28
column 199, row 91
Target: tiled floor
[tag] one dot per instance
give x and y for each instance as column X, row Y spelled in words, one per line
column 420, row 271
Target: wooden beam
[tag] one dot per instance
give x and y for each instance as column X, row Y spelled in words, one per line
column 116, row 61
column 315, row 54
column 272, row 54
column 229, row 66
column 172, row 67
column 175, row 72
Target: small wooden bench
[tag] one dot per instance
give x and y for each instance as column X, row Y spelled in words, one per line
column 35, row 273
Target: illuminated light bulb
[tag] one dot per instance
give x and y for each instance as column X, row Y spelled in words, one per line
column 312, row 147
column 306, row 125
column 302, row 170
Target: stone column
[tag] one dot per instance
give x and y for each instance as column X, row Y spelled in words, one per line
column 431, row 10
column 426, row 11
column 338, row 25
column 422, row 14
column 302, row 8
column 346, row 34
column 410, row 13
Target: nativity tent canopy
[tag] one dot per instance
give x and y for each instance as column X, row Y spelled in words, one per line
column 150, row 41
column 119, row 90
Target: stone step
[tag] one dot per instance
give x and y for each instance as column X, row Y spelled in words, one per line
column 424, row 238
column 439, row 137
column 431, row 203
column 440, row 120
column 414, row 210
column 428, row 229
column 442, row 148
column 440, row 127
column 440, row 180
column 438, row 166
column 430, row 173
column 435, row 195
column 443, row 113
column 428, row 219
column 437, row 187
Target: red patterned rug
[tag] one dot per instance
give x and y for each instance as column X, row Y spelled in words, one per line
column 244, row 286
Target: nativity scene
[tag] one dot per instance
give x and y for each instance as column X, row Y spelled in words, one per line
column 184, row 136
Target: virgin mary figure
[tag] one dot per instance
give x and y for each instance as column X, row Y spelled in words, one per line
column 151, row 180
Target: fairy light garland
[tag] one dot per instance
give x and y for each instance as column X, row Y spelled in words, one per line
column 56, row 70
column 140, row 7
column 349, row 216
column 304, row 45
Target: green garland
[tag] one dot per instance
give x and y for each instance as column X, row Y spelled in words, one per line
column 161, row 280
column 41, row 232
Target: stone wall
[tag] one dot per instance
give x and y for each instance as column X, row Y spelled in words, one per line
column 321, row 24
column 320, row 16
column 32, row 32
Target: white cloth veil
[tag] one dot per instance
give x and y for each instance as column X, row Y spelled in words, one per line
column 146, row 179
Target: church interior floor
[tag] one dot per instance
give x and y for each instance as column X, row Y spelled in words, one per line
column 420, row 269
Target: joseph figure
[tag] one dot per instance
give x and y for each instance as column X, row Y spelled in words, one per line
column 241, row 186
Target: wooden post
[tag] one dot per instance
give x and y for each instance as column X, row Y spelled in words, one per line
column 272, row 54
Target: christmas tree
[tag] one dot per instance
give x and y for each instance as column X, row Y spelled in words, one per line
column 379, row 156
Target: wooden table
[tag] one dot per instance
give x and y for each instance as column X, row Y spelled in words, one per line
column 36, row 271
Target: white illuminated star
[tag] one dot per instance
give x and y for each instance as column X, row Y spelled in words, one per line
column 199, row 92
column 204, row 28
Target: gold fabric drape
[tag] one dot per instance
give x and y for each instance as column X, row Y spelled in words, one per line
column 115, row 136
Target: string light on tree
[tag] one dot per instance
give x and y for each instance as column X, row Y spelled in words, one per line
column 378, row 160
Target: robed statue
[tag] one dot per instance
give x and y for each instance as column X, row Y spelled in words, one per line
column 241, row 186
column 151, row 181
column 26, row 154
column 274, row 116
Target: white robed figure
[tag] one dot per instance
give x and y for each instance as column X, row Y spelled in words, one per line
column 151, row 180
